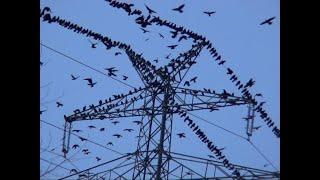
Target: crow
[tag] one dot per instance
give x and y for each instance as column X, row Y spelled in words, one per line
column 82, row 139
column 73, row 77
column 150, row 10
column 137, row 122
column 179, row 9
column 161, row 35
column 168, row 56
column 59, row 104
column 172, row 46
column 182, row 37
column 110, row 143
column 221, row 62
column 115, row 122
column 229, row 71
column 86, row 153
column 85, row 150
column 90, row 82
column 259, row 94
column 156, row 60
column 124, row 77
column 181, row 135
column 102, row 129
column 73, row 171
column 209, row 13
column 268, row 21
column 187, row 83
column 129, row 130
column 42, row 111
column 144, row 31
column 194, row 79
column 75, row 146
column 93, row 45
column 117, row 53
column 210, row 156
column 174, row 34
column 75, row 130
column 98, row 159
column 117, row 135
column 91, row 127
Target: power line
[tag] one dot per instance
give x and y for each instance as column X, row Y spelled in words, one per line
column 256, row 148
column 77, row 61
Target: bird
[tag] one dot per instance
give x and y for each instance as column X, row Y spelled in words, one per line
column 221, row 62
column 181, row 135
column 187, row 83
column 41, row 63
column 117, row 53
column 117, row 135
column 73, row 171
column 59, row 104
column 98, row 159
column 42, row 111
column 182, row 37
column 168, row 56
column 111, row 71
column 179, row 9
column 110, row 143
column 256, row 128
column 229, row 71
column 172, row 46
column 129, row 130
column 161, row 35
column 115, row 122
column 146, row 39
column 144, row 31
column 221, row 149
column 137, row 122
column 124, row 77
column 210, row 156
column 194, row 79
column 259, row 94
column 73, row 77
column 82, row 139
column 91, row 127
column 209, row 13
column 75, row 146
column 86, row 153
column 265, row 165
column 93, row 45
column 249, row 83
column 268, row 21
column 90, row 82
column 156, row 60
column 85, row 150
column 150, row 10
column 76, row 130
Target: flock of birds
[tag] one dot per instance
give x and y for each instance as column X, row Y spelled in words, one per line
column 185, row 34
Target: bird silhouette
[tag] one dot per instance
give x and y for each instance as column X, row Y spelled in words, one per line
column 221, row 62
column 168, row 56
column 110, row 143
column 129, row 130
column 98, row 159
column 117, row 53
column 182, row 37
column 249, row 83
column 174, row 34
column 90, row 82
column 41, row 63
column 194, row 79
column 137, row 122
column 259, row 94
column 124, row 77
column 86, row 153
column 172, row 46
column 181, row 135
column 156, row 60
column 91, row 127
column 85, row 150
column 82, row 139
column 187, row 83
column 268, row 21
column 73, row 77
column 73, row 171
column 256, row 128
column 42, row 111
column 221, row 149
column 265, row 165
column 75, row 146
column 111, row 71
column 179, row 9
column 117, row 135
column 149, row 10
column 210, row 156
column 93, row 45
column 229, row 71
column 102, row 129
column 209, row 13
column 144, row 30
column 115, row 122
column 76, row 130
column 161, row 35
column 59, row 104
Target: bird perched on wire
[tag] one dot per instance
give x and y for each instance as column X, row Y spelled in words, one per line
column 73, row 171
column 221, row 62
column 90, row 82
column 73, row 77
column 250, row 83
column 181, row 135
column 82, row 139
column 110, row 143
column 210, row 156
column 93, row 45
column 172, row 46
column 268, row 21
column 229, row 71
column 179, row 9
column 149, row 10
column 129, row 130
column 259, row 94
column 59, row 104
column 209, row 13
column 117, row 135
column 76, row 130
column 117, row 53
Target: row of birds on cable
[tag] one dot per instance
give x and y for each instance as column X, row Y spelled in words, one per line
column 201, row 135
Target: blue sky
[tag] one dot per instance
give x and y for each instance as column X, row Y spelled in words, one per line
column 253, row 51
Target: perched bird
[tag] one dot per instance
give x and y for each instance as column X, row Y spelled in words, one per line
column 129, row 130
column 182, row 37
column 117, row 135
column 98, row 159
column 209, row 13
column 210, row 156
column 229, row 71
column 85, row 150
column 124, row 77
column 137, row 122
column 82, row 139
column 194, row 79
column 156, row 60
column 249, row 83
column 179, row 9
column 259, row 94
column 161, row 35
column 59, row 104
column 91, row 127
column 181, row 135
column 75, row 146
column 172, row 46
column 76, row 130
column 115, row 122
column 93, row 45
column 73, row 171
column 110, row 143
column 256, row 128
column 268, row 21
column 187, row 83
column 117, row 53
column 73, row 77
column 144, row 30
column 221, row 62
column 90, row 82
column 149, row 10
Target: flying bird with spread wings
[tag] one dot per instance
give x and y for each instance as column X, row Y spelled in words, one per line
column 179, row 9
column 268, row 21
column 90, row 82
